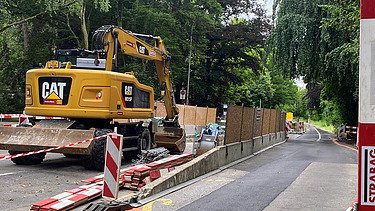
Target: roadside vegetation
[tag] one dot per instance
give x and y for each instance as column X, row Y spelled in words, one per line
column 229, row 62
column 239, row 55
column 318, row 39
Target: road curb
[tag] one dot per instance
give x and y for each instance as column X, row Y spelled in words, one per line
column 335, row 141
column 343, row 145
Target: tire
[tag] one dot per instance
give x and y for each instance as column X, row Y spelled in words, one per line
column 29, row 159
column 96, row 159
column 143, row 143
column 144, row 140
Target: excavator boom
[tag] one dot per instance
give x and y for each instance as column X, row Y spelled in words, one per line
column 114, row 39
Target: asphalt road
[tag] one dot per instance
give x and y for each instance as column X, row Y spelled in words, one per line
column 304, row 173
column 21, row 186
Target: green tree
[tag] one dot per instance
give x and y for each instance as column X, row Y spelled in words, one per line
column 318, row 39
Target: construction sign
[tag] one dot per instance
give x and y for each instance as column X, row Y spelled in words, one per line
column 368, row 175
column 366, row 123
column 182, row 94
column 289, row 116
column 112, row 165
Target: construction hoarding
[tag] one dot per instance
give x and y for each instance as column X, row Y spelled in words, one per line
column 245, row 123
column 190, row 115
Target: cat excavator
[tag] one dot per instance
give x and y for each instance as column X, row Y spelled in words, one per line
column 86, row 89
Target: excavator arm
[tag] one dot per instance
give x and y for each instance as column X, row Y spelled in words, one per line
column 115, row 40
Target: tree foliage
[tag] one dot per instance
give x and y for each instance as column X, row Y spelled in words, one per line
column 318, row 39
column 228, row 64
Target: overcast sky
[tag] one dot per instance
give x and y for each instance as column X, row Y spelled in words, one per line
column 268, row 4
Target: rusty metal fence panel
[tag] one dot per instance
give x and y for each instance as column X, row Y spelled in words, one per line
column 247, row 124
column 277, row 121
column 266, row 121
column 283, row 121
column 233, row 124
column 244, row 123
column 273, row 118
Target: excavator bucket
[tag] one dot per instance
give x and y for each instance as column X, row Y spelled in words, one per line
column 33, row 138
column 172, row 138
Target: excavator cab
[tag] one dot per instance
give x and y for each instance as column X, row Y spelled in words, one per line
column 81, row 58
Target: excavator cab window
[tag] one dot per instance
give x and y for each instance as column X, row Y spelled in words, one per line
column 81, row 58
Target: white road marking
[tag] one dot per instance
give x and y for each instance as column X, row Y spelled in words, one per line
column 9, row 173
column 320, row 136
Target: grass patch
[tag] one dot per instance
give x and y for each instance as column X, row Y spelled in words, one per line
column 323, row 125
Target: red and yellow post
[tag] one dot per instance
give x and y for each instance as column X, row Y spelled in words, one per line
column 366, row 125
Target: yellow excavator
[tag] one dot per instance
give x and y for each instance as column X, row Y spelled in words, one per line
column 83, row 87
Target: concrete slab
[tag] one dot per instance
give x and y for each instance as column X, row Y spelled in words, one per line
column 309, row 192
column 272, row 138
column 258, row 144
column 234, row 152
column 266, row 141
column 247, row 148
column 222, row 155
column 278, row 137
column 211, row 160
column 283, row 135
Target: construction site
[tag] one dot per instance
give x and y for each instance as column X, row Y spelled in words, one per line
column 143, row 179
column 187, row 105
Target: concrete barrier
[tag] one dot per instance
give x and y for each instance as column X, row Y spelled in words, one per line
column 212, row 160
column 273, row 139
column 199, row 166
column 266, row 141
column 258, row 144
column 222, row 155
column 283, row 135
column 233, row 152
column 278, row 137
column 247, row 148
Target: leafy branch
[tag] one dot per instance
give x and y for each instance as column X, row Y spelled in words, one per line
column 7, row 26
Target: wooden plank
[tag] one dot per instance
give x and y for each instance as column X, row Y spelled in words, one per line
column 273, row 120
column 277, row 123
column 247, row 124
column 190, row 112
column 233, row 124
column 181, row 110
column 201, row 116
column 266, row 121
column 211, row 115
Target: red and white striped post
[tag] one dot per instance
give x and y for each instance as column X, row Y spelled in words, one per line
column 366, row 125
column 112, row 165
